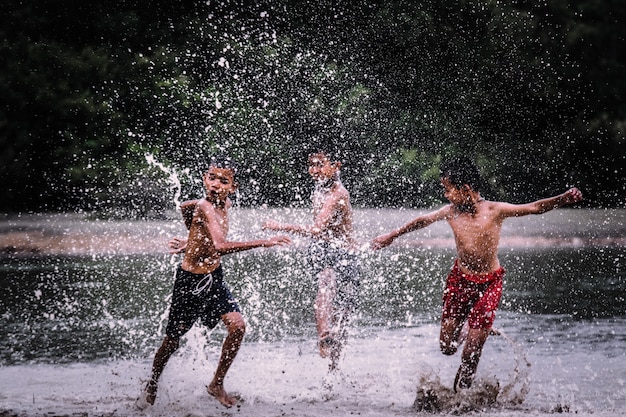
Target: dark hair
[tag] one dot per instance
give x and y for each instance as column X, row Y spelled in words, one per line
column 319, row 153
column 460, row 171
column 223, row 162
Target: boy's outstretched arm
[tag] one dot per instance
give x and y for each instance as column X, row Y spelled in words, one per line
column 418, row 223
column 224, row 246
column 187, row 208
column 571, row 196
column 321, row 222
column 295, row 229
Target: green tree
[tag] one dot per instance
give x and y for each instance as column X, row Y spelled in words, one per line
column 532, row 91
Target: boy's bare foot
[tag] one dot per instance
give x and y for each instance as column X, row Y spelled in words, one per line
column 148, row 395
column 220, row 395
column 328, row 345
column 461, row 381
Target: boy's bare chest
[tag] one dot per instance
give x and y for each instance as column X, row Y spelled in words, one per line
column 219, row 218
column 473, row 226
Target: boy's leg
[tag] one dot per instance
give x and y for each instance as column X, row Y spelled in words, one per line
column 476, row 339
column 236, row 330
column 326, row 290
column 449, row 335
column 480, row 321
column 334, row 342
column 162, row 356
column 180, row 319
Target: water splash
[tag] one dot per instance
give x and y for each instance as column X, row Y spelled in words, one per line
column 173, row 177
column 485, row 393
column 517, row 389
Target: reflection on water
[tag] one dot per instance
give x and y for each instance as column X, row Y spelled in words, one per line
column 583, row 283
column 58, row 309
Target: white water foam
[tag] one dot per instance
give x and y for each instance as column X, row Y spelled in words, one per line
column 490, row 392
column 381, row 372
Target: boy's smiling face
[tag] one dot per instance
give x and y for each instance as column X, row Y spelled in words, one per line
column 219, row 183
column 320, row 168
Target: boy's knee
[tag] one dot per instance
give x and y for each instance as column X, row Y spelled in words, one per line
column 236, row 325
column 239, row 327
column 448, row 348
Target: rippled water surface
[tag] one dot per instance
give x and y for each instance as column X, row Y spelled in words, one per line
column 94, row 321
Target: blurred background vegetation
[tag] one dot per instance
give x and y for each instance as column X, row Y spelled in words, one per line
column 92, row 92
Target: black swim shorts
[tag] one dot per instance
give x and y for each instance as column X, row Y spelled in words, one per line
column 347, row 267
column 198, row 296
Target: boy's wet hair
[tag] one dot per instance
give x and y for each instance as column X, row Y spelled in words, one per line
column 315, row 154
column 460, row 171
column 222, row 162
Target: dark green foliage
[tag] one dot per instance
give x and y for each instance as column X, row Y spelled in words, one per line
column 534, row 91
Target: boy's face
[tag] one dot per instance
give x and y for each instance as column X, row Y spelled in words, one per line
column 219, row 183
column 456, row 196
column 320, row 167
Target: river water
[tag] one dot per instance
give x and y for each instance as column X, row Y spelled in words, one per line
column 79, row 324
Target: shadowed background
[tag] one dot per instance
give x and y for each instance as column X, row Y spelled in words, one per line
column 534, row 91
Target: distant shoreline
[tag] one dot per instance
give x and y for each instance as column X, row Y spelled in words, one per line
column 79, row 234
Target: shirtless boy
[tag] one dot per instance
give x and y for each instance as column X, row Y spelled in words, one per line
column 199, row 289
column 474, row 286
column 332, row 254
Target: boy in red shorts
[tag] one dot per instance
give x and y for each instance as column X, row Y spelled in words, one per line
column 474, row 286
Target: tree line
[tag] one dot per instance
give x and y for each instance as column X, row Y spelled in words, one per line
column 92, row 92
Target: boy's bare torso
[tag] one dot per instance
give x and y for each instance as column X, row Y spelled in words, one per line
column 201, row 257
column 477, row 235
column 332, row 209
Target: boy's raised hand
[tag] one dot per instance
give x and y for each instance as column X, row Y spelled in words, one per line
column 279, row 241
column 382, row 241
column 177, row 245
column 270, row 225
column 573, row 195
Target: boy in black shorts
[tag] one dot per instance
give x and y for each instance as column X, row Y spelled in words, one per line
column 199, row 290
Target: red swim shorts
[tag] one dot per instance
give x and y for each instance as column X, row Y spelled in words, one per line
column 472, row 297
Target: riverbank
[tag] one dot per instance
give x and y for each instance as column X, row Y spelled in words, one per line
column 83, row 234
